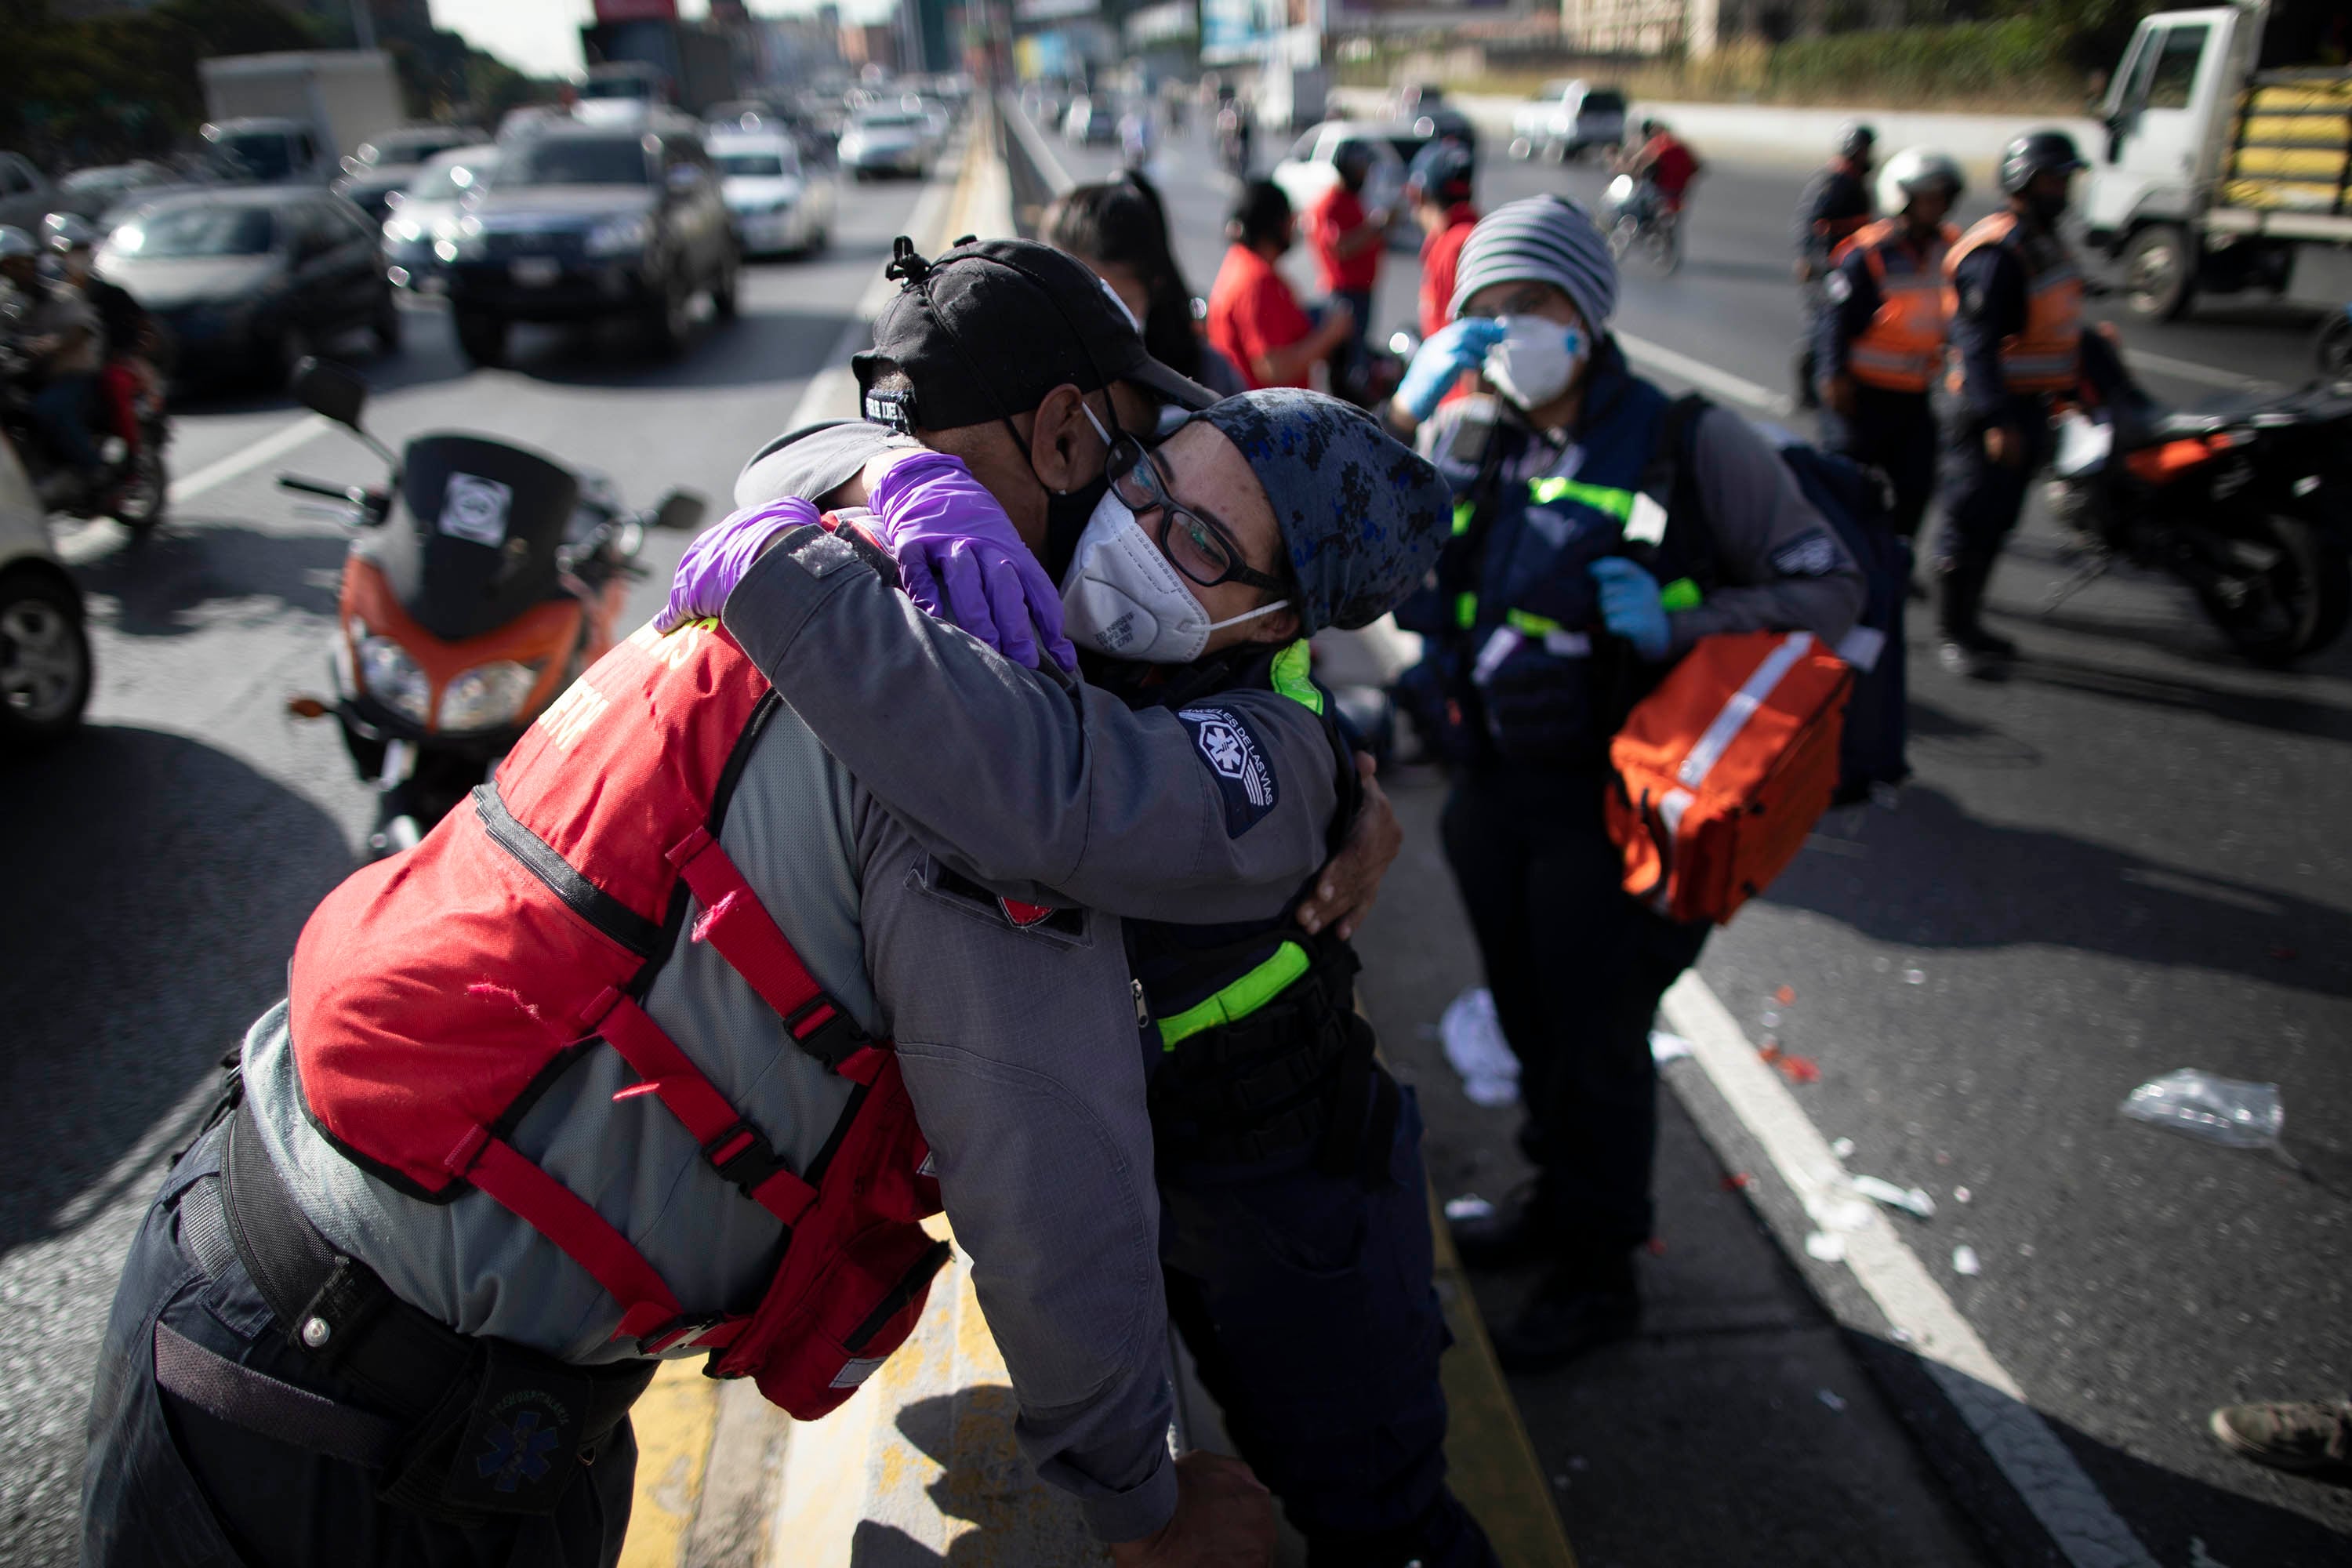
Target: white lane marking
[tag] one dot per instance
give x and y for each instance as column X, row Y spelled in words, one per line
column 1722, row 383
column 283, row 439
column 832, row 393
column 2189, row 370
column 1989, row 1399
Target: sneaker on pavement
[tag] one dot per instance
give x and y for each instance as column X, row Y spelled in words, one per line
column 2308, row 1439
column 1509, row 1233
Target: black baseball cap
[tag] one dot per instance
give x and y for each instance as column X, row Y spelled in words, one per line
column 986, row 330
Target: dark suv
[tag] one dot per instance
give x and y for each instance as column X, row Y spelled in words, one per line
column 585, row 222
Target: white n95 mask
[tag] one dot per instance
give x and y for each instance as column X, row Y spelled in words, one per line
column 1122, row 597
column 1535, row 360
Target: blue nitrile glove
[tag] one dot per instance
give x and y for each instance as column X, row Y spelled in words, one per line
column 1630, row 607
column 717, row 557
column 962, row 562
column 1449, row 351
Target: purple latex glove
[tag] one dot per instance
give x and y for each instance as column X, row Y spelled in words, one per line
column 961, row 561
column 717, row 557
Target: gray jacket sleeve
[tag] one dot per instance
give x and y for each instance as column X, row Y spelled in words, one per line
column 1040, row 790
column 1020, row 1053
column 1783, row 567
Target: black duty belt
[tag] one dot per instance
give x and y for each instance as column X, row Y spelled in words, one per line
column 463, row 1425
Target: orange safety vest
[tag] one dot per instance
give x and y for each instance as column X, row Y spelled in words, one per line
column 2046, row 356
column 1901, row 348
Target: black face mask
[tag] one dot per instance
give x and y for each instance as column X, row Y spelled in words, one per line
column 1066, row 516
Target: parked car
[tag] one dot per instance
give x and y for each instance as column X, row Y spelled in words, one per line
column 45, row 666
column 777, row 201
column 246, row 279
column 884, row 142
column 587, row 223
column 390, row 161
column 1092, row 120
column 1566, row 119
column 426, row 217
column 27, row 195
column 1309, row 170
column 113, row 188
column 1422, row 107
column 742, row 114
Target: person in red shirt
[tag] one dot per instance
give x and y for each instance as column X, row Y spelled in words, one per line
column 1664, row 161
column 1348, row 238
column 1255, row 318
column 1438, row 187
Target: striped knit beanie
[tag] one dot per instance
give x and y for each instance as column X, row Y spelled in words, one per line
column 1544, row 239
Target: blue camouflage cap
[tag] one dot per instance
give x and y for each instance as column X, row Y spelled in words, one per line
column 1361, row 515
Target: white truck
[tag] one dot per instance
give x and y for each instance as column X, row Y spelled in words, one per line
column 292, row 118
column 2228, row 159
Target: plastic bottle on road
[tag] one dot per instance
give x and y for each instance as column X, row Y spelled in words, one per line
column 2224, row 1110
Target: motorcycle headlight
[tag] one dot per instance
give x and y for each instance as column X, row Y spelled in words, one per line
column 392, row 677
column 620, row 236
column 486, row 696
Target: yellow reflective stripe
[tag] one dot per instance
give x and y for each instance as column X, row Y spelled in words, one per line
column 1463, row 513
column 1239, row 1000
column 1291, row 678
column 1534, row 625
column 1682, row 593
column 1466, row 610
column 1617, row 503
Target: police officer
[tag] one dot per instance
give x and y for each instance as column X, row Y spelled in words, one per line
column 1295, row 1228
column 1579, row 571
column 2014, row 296
column 343, row 1336
column 1834, row 204
column 1881, row 333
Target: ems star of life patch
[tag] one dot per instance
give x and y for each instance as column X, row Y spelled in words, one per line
column 1839, row 287
column 1231, row 751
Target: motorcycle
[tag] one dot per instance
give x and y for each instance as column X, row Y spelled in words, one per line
column 2247, row 504
column 462, row 620
column 135, row 484
column 1637, row 217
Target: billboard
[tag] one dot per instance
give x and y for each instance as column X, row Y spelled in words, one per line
column 1240, row 29
column 1421, row 13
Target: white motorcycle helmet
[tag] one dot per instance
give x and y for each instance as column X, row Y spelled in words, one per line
column 1917, row 169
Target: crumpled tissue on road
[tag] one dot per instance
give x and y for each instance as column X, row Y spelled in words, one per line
column 1475, row 1045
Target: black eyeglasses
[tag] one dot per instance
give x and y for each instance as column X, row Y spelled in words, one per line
column 1199, row 545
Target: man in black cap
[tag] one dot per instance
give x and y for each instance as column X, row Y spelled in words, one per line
column 1295, row 1230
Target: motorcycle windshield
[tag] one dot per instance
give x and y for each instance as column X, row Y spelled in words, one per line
column 485, row 521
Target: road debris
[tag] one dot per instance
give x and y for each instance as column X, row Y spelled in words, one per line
column 1965, row 1260
column 1912, row 1200
column 1475, row 1045
column 2225, row 1110
column 1737, row 1181
column 1914, row 977
column 1784, row 995
column 1843, row 1148
column 1666, row 1048
column 1961, row 1194
column 1829, row 1248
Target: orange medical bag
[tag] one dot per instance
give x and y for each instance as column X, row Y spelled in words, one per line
column 1723, row 770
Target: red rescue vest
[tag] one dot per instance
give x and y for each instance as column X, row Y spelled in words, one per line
column 431, row 994
column 1904, row 343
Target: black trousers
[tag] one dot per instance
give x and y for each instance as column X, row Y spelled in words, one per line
column 1982, row 498
column 1894, row 432
column 168, row 1485
column 1577, row 968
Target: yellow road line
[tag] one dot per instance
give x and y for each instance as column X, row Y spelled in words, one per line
column 674, row 1422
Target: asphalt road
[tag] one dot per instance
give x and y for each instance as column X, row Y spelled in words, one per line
column 2134, row 856
column 159, row 867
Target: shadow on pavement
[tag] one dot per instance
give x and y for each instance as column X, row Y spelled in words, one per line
column 422, row 360
column 156, row 888
column 988, row 1484
column 2261, row 1517
column 749, row 350
column 1973, row 884
column 2321, row 721
column 168, row 585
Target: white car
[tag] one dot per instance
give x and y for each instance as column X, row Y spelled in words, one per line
column 775, row 201
column 1309, row 171
column 45, row 663
column 425, row 216
column 1566, row 119
column 885, row 141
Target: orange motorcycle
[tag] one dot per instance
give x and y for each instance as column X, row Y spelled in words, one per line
column 486, row 578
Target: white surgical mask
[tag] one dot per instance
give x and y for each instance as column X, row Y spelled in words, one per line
column 1535, row 360
column 1122, row 597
